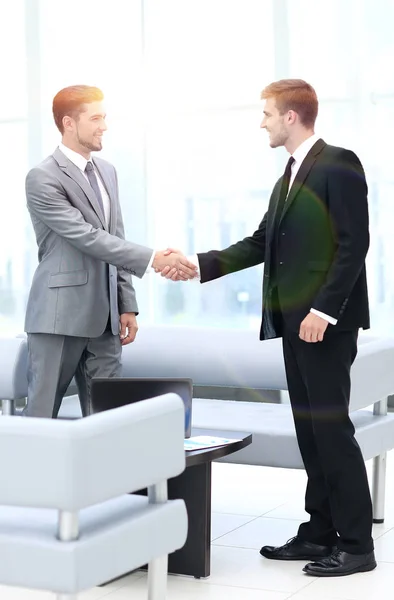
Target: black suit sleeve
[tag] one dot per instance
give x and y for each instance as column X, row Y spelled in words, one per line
column 246, row 253
column 348, row 212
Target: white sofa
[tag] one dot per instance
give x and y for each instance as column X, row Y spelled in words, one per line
column 236, row 358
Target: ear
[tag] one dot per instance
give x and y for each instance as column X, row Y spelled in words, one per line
column 291, row 117
column 67, row 123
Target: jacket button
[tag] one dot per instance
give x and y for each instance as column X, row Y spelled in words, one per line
column 281, row 263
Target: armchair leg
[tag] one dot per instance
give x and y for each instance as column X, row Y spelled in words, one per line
column 68, row 530
column 157, row 578
column 379, row 472
column 157, row 568
column 379, row 487
column 8, row 407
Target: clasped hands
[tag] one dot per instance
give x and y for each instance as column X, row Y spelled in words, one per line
column 172, row 264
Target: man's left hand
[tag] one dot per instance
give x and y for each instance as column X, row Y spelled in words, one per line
column 128, row 328
column 313, row 328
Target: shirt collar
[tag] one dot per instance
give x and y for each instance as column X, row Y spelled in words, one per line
column 78, row 160
column 304, row 148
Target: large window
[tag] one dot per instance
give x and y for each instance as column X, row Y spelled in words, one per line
column 209, row 168
column 182, row 80
column 14, row 242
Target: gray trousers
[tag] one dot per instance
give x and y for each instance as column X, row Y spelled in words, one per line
column 53, row 360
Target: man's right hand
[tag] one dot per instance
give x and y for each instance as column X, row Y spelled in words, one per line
column 174, row 262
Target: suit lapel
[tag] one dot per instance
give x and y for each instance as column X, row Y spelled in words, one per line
column 275, row 200
column 76, row 175
column 109, row 186
column 302, row 174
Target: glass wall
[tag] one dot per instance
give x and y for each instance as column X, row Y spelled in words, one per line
column 182, row 80
column 14, row 245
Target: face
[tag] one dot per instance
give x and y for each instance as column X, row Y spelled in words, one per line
column 87, row 130
column 275, row 124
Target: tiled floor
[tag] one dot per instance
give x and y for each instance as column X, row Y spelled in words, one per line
column 253, row 506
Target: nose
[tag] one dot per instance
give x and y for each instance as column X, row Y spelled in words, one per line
column 103, row 125
column 262, row 124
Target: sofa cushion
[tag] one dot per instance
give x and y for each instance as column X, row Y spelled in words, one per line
column 274, row 440
column 116, row 537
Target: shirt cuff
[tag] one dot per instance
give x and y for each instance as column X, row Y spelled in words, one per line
column 324, row 316
column 194, row 259
column 149, row 267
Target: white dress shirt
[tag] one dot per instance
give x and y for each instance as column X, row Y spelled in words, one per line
column 299, row 155
column 81, row 162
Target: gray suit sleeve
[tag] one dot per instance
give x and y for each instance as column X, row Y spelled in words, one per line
column 47, row 201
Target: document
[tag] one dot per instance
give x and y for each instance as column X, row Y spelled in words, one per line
column 201, row 442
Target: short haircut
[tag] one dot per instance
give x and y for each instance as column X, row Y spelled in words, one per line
column 294, row 94
column 70, row 102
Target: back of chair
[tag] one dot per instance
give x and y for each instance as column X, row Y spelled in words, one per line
column 222, row 357
column 13, row 368
column 372, row 372
column 69, row 465
column 237, row 358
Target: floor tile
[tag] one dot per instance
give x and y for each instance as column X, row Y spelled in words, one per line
column 251, row 490
column 221, row 523
column 289, row 510
column 381, row 529
column 241, row 567
column 384, row 548
column 377, row 584
column 260, row 532
column 16, row 593
column 302, row 596
column 180, row 588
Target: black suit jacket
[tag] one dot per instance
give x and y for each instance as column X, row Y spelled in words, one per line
column 316, row 256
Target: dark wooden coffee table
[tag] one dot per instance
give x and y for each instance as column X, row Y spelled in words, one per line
column 194, row 487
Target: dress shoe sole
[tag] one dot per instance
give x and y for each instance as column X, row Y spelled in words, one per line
column 362, row 569
column 304, row 557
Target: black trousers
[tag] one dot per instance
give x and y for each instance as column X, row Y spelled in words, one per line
column 337, row 497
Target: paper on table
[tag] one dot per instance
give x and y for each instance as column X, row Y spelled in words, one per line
column 200, row 442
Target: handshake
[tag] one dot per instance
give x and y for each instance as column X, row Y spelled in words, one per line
column 172, row 264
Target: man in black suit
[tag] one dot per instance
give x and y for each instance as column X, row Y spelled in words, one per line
column 313, row 240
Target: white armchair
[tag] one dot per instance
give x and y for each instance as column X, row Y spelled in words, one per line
column 68, row 521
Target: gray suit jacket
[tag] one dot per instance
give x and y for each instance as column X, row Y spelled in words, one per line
column 84, row 271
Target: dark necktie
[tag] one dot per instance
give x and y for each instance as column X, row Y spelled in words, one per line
column 89, row 170
column 283, row 190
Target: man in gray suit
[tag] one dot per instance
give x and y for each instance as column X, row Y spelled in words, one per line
column 82, row 306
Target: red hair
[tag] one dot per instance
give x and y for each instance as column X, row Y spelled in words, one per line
column 70, row 102
column 294, row 94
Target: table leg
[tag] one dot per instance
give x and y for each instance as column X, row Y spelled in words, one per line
column 194, row 487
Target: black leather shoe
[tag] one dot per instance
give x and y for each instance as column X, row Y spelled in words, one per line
column 296, row 549
column 341, row 563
